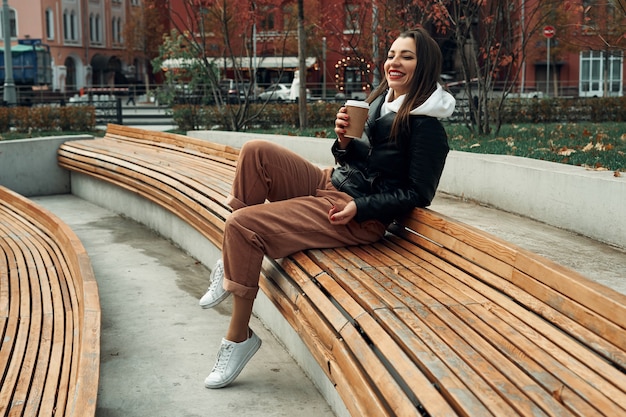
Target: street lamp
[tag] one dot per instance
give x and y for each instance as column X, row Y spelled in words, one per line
column 9, row 84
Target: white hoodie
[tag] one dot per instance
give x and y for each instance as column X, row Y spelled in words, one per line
column 439, row 104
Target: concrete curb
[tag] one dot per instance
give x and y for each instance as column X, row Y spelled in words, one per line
column 29, row 166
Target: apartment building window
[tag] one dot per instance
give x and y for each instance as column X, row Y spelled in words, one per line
column 116, row 30
column 290, row 18
column 49, row 24
column 70, row 26
column 134, row 2
column 95, row 29
column 92, row 25
column 352, row 19
column 267, row 18
column 615, row 60
column 12, row 23
column 600, row 70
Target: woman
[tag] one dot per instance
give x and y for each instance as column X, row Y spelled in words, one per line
column 392, row 169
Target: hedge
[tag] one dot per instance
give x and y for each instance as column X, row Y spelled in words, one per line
column 322, row 114
column 193, row 117
column 579, row 109
column 47, row 118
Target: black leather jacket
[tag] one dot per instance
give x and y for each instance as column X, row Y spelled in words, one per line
column 387, row 178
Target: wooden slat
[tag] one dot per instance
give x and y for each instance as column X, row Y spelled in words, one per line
column 598, row 334
column 571, row 285
column 47, row 364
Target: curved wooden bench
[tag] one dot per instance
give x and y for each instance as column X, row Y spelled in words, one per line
column 437, row 319
column 49, row 315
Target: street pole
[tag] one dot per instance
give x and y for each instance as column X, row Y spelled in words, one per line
column 376, row 79
column 548, row 71
column 9, row 84
column 324, row 68
column 254, row 61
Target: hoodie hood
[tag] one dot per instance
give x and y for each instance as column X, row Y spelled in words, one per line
column 440, row 104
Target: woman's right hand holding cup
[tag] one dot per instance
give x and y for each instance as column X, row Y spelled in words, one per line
column 341, row 123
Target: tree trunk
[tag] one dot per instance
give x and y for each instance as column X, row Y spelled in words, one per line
column 302, row 64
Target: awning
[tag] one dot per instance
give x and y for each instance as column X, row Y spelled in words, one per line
column 277, row 62
column 282, row 62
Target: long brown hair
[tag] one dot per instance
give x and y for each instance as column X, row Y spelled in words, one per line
column 424, row 82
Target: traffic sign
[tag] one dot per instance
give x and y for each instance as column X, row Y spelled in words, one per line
column 549, row 31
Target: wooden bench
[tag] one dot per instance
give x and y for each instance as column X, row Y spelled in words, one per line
column 49, row 315
column 438, row 318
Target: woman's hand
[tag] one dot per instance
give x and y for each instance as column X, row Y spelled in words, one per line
column 341, row 122
column 344, row 216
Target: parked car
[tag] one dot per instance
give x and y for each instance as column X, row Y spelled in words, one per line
column 279, row 92
column 234, row 92
column 276, row 92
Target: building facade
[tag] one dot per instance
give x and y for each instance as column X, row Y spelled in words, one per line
column 89, row 47
column 579, row 52
column 84, row 38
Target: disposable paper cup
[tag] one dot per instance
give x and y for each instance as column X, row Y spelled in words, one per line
column 357, row 110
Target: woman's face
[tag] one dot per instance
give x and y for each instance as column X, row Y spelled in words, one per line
column 400, row 65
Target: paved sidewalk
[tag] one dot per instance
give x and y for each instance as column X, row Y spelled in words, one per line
column 158, row 345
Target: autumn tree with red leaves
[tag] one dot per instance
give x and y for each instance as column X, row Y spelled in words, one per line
column 142, row 34
column 492, row 39
column 221, row 34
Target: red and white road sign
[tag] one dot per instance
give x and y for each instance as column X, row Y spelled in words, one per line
column 549, row 31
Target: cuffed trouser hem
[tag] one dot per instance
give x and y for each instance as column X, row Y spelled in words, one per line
column 234, row 203
column 240, row 290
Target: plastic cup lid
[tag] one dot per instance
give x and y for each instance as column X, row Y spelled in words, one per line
column 357, row 103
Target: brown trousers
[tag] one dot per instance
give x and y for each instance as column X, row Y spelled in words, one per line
column 300, row 195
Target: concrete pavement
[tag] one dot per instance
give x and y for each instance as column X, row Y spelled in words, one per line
column 158, row 345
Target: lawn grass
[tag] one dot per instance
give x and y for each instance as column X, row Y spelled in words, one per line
column 598, row 146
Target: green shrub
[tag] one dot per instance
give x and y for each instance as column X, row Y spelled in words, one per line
column 188, row 117
column 77, row 118
column 260, row 116
column 557, row 109
column 44, row 118
column 5, row 119
column 21, row 119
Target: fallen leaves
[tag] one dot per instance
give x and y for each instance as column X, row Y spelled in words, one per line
column 598, row 146
column 565, row 151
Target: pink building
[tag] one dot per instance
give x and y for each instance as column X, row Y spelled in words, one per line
column 85, row 39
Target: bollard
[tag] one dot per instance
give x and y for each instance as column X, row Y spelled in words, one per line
column 118, row 111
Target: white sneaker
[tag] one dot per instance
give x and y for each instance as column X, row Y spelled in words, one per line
column 216, row 293
column 231, row 359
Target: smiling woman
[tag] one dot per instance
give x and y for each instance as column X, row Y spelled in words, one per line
column 394, row 167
